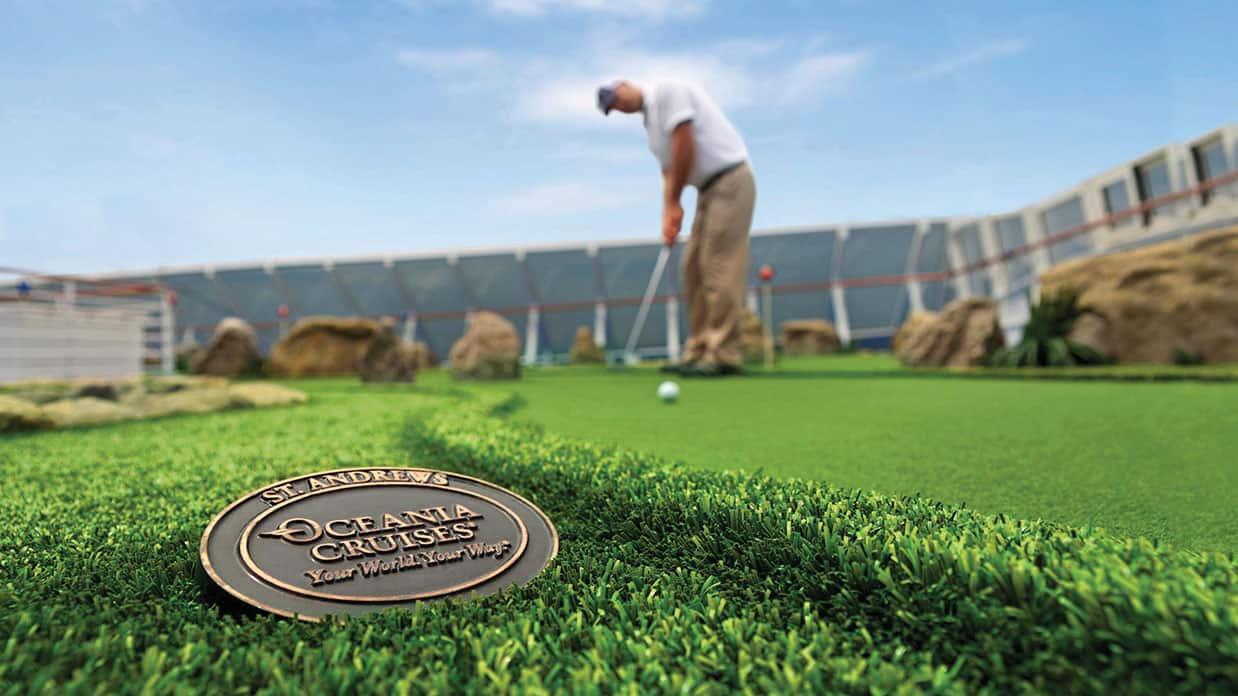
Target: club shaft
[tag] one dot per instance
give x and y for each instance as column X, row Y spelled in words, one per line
column 654, row 281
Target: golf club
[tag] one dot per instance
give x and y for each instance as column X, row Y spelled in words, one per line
column 629, row 351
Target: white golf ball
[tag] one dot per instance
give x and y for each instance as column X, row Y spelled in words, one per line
column 668, row 391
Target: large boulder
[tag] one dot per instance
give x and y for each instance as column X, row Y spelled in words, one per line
column 961, row 336
column 88, row 410
column 584, row 349
column 1151, row 302
column 809, row 337
column 322, row 346
column 17, row 415
column 423, row 356
column 489, row 349
column 233, row 351
column 752, row 335
column 914, row 323
column 388, row 358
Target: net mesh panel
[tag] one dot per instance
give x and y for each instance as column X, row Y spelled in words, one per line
column 1011, row 235
column 495, row 282
column 253, row 290
column 1062, row 216
column 313, row 292
column 198, row 304
column 797, row 258
column 373, row 287
column 434, row 289
column 565, row 276
column 932, row 258
column 973, row 252
column 440, row 334
column 873, row 251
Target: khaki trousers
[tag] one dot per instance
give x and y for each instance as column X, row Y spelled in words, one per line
column 715, row 268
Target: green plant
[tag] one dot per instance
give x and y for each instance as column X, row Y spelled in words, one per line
column 1046, row 337
column 1182, row 356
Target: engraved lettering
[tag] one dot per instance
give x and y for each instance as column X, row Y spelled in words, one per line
column 319, row 552
column 340, row 535
column 296, row 530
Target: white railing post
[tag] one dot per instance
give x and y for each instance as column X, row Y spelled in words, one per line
column 167, row 335
column 599, row 323
column 956, row 260
column 999, row 274
column 842, row 323
column 531, row 333
column 915, row 294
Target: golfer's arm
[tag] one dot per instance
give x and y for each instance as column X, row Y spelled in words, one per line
column 675, row 177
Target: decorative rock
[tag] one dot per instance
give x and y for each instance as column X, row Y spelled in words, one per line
column 322, row 346
column 423, row 357
column 388, row 358
column 489, row 349
column 88, row 411
column 233, row 351
column 584, row 349
column 263, row 394
column 184, row 401
column 914, row 323
column 96, row 390
column 752, row 335
column 17, row 415
column 809, row 337
column 1181, row 294
column 961, row 336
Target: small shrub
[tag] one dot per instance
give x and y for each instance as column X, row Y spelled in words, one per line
column 1046, row 341
column 1182, row 356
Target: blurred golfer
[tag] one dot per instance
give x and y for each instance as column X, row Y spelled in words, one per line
column 697, row 146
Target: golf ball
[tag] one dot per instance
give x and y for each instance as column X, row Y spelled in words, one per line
column 668, row 391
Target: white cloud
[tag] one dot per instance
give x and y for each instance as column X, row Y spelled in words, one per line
column 449, row 61
column 647, row 9
column 980, row 54
column 817, row 76
column 563, row 198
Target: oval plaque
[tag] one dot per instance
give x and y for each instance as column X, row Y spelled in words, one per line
column 352, row 541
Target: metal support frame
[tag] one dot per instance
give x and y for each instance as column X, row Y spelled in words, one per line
column 406, row 296
column 458, row 273
column 209, row 272
column 957, row 259
column 599, row 302
column 915, row 294
column 991, row 247
column 281, row 289
column 167, row 335
column 329, row 267
column 841, row 322
column 533, row 325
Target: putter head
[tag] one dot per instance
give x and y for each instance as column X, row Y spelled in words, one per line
column 631, row 359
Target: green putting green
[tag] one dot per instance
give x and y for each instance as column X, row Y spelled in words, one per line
column 669, row 579
column 1152, row 459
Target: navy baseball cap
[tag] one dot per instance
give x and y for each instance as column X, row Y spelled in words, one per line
column 606, row 96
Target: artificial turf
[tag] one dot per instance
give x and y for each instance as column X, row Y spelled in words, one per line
column 1154, row 459
column 669, row 578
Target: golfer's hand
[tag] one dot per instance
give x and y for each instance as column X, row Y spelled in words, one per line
column 672, row 220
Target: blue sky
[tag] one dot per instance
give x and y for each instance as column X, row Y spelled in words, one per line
column 145, row 133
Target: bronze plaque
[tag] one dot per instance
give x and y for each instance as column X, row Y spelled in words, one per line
column 353, row 541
